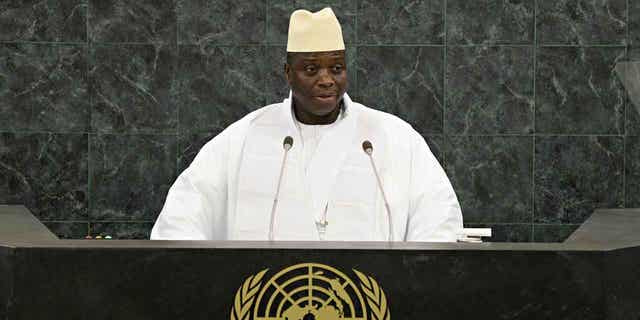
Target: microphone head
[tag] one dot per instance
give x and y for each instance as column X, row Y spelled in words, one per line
column 367, row 147
column 287, row 143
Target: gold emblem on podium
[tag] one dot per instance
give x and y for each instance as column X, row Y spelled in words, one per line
column 310, row 291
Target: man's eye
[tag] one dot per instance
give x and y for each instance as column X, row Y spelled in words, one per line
column 310, row 69
column 337, row 68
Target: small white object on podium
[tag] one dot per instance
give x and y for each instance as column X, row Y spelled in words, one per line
column 474, row 235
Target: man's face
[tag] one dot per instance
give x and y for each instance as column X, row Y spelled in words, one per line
column 317, row 80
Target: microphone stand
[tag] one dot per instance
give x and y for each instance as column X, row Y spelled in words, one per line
column 368, row 149
column 287, row 144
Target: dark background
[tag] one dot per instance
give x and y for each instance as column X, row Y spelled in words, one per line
column 104, row 102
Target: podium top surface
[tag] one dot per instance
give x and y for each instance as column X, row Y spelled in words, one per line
column 18, row 224
column 609, row 226
column 606, row 229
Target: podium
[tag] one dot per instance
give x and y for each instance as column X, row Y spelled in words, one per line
column 595, row 274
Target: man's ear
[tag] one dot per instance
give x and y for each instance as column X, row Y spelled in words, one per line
column 287, row 73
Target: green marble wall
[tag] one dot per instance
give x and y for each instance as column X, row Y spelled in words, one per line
column 104, row 102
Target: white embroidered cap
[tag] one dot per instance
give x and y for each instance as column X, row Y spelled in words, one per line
column 314, row 32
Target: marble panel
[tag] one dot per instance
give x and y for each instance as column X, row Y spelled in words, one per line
column 577, row 91
column 403, row 80
column 45, row 278
column 6, row 281
column 277, row 88
column 400, row 22
column 130, row 175
column 553, row 233
column 505, row 232
column 632, row 172
column 633, row 109
column 146, row 21
column 45, row 172
column 132, row 88
column 490, row 22
column 68, row 230
column 221, row 22
column 634, row 50
column 122, row 230
column 43, row 87
column 622, row 291
column 279, row 11
column 634, row 23
column 633, row 120
column 581, row 22
column 52, row 21
column 492, row 177
column 575, row 175
column 489, row 90
column 218, row 86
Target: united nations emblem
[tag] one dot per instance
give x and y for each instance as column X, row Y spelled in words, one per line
column 310, row 291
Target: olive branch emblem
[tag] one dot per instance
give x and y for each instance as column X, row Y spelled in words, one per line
column 245, row 295
column 376, row 299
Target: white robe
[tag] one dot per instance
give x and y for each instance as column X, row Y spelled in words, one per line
column 228, row 190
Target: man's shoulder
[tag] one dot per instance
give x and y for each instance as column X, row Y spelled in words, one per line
column 238, row 128
column 251, row 117
column 257, row 115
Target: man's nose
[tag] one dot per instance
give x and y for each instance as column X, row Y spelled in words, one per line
column 325, row 79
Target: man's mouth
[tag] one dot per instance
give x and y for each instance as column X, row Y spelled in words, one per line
column 326, row 96
column 325, row 99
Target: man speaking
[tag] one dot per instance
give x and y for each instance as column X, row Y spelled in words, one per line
column 317, row 166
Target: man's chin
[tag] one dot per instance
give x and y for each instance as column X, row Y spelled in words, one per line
column 324, row 110
column 324, row 106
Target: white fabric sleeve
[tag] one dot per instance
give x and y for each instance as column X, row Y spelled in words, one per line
column 195, row 208
column 434, row 211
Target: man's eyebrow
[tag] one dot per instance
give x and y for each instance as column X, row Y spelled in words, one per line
column 314, row 57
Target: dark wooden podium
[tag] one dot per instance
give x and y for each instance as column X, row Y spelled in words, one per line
column 595, row 274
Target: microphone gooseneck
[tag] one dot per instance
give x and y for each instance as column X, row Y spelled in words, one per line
column 287, row 144
column 367, row 147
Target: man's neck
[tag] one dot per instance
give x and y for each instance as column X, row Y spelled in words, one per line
column 311, row 119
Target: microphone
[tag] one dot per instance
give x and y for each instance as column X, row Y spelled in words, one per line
column 287, row 144
column 368, row 149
